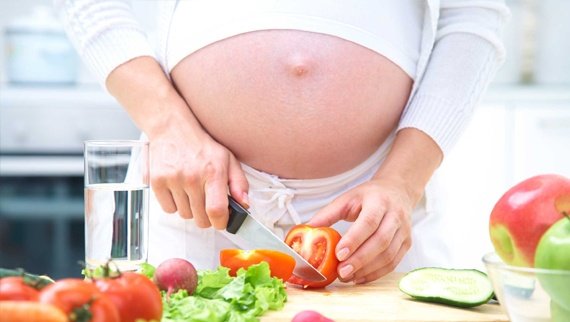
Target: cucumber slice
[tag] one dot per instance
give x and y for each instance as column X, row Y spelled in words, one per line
column 456, row 287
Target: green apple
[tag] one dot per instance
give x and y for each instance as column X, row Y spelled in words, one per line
column 553, row 252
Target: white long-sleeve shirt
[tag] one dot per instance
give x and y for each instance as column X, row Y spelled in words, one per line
column 461, row 49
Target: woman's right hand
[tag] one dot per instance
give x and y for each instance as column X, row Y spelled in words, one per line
column 190, row 172
column 193, row 177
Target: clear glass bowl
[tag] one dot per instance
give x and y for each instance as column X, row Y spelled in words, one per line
column 530, row 294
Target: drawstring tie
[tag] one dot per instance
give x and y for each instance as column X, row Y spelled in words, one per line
column 282, row 198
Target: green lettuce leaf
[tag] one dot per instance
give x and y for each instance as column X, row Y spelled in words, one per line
column 181, row 307
column 209, row 282
column 147, row 270
column 220, row 297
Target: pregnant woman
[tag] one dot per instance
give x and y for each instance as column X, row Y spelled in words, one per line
column 320, row 112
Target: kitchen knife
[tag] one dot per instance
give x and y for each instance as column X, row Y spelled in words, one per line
column 241, row 223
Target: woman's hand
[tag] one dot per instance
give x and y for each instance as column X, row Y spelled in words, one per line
column 381, row 209
column 381, row 234
column 190, row 172
column 193, row 178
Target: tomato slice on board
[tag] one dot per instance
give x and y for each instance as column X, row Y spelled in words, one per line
column 281, row 265
column 317, row 245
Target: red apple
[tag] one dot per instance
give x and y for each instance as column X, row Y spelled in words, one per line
column 524, row 213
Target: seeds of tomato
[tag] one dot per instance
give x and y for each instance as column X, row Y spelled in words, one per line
column 296, row 245
column 312, row 247
column 320, row 250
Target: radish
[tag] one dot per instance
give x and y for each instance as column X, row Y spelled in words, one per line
column 310, row 316
column 176, row 274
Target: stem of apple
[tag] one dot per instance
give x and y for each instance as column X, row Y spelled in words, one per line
column 565, row 213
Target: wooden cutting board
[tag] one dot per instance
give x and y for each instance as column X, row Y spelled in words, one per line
column 377, row 301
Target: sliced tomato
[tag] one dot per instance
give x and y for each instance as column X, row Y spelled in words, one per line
column 281, row 265
column 317, row 245
column 15, row 288
column 80, row 300
column 135, row 296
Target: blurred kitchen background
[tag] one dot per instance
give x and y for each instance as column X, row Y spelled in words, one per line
column 50, row 104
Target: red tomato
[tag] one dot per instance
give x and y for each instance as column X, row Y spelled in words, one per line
column 14, row 288
column 317, row 245
column 81, row 300
column 135, row 296
column 281, row 265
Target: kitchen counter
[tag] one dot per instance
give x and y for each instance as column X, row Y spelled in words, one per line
column 377, row 301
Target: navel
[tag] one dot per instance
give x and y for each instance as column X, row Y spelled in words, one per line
column 300, row 65
column 300, row 70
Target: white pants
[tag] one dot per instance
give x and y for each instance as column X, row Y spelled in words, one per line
column 282, row 203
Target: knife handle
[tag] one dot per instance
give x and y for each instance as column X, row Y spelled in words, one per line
column 236, row 216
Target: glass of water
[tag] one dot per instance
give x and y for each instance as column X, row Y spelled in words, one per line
column 116, row 203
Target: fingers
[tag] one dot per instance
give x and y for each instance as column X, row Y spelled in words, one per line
column 379, row 250
column 387, row 260
column 197, row 186
column 207, row 191
column 345, row 207
column 209, row 200
column 238, row 182
column 164, row 196
column 182, row 203
column 374, row 275
column 163, row 158
column 216, row 205
column 365, row 226
column 197, row 205
column 171, row 194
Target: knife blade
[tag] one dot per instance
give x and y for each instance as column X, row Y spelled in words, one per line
column 242, row 223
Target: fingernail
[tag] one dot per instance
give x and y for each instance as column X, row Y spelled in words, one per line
column 342, row 254
column 345, row 271
column 360, row 280
column 245, row 198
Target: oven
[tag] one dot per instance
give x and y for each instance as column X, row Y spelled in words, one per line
column 41, row 172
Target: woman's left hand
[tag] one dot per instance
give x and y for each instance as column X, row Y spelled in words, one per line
column 381, row 233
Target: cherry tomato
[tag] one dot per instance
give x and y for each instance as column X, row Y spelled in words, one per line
column 80, row 300
column 135, row 296
column 316, row 245
column 15, row 289
column 281, row 265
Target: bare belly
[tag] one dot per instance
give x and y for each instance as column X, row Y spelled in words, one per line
column 292, row 103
